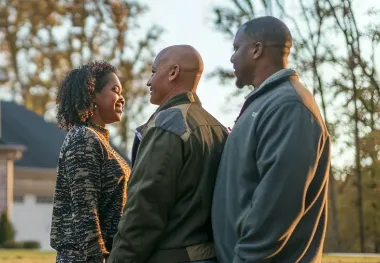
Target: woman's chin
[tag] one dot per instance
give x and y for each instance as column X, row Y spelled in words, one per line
column 118, row 117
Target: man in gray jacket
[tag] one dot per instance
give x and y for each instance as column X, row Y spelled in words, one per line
column 270, row 198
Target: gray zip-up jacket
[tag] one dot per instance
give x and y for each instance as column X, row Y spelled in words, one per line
column 270, row 198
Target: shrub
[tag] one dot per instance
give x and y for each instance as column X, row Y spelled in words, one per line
column 30, row 244
column 12, row 245
column 7, row 232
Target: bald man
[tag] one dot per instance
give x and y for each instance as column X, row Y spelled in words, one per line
column 270, row 199
column 175, row 159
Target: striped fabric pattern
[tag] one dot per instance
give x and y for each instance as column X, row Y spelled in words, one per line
column 89, row 197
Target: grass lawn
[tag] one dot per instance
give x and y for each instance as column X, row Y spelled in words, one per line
column 26, row 256
column 341, row 259
column 23, row 256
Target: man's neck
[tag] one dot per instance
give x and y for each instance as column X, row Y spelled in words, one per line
column 178, row 90
column 265, row 74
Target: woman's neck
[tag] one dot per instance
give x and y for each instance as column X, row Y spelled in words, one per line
column 95, row 119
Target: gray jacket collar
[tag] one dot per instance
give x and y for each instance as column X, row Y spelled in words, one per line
column 274, row 77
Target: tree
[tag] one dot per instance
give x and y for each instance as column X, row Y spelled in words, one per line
column 328, row 55
column 7, row 232
column 360, row 80
column 308, row 54
column 369, row 154
column 42, row 40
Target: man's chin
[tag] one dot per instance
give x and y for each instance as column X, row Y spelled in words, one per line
column 239, row 84
column 153, row 101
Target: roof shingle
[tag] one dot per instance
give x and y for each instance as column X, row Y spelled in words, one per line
column 42, row 139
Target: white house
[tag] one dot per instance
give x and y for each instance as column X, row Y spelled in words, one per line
column 8, row 154
column 31, row 182
column 29, row 150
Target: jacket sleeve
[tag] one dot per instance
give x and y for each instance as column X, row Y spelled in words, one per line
column 287, row 153
column 83, row 164
column 151, row 196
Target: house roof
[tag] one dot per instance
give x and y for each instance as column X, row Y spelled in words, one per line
column 42, row 139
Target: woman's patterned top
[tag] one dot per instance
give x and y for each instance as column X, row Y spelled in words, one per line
column 90, row 195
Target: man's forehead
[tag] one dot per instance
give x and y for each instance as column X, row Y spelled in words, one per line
column 156, row 63
column 158, row 60
column 240, row 36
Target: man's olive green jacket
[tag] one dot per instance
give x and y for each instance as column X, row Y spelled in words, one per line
column 175, row 160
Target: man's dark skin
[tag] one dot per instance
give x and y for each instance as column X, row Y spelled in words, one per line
column 271, row 186
column 176, row 69
column 258, row 56
column 175, row 160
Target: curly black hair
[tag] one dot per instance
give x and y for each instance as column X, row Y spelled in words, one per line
column 77, row 90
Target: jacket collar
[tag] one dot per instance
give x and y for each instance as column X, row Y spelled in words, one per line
column 273, row 81
column 275, row 78
column 182, row 98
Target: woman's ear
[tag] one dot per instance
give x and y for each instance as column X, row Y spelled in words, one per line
column 95, row 99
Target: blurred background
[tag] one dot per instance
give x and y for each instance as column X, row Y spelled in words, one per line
column 336, row 53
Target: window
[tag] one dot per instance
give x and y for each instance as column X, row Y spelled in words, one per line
column 18, row 199
column 3, row 188
column 44, row 199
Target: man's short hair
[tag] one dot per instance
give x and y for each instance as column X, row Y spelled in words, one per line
column 270, row 31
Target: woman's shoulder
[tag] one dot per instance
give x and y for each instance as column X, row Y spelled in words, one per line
column 81, row 135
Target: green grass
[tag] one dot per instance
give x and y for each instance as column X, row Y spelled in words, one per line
column 332, row 259
column 35, row 256
column 26, row 256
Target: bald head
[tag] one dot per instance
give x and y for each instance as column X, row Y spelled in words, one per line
column 176, row 69
column 186, row 57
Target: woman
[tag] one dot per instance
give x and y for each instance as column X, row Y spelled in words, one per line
column 92, row 178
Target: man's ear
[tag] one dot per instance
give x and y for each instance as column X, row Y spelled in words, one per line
column 257, row 50
column 174, row 72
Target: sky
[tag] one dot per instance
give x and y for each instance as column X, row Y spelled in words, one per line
column 190, row 22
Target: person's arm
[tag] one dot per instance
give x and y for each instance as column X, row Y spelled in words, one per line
column 289, row 139
column 151, row 196
column 83, row 165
